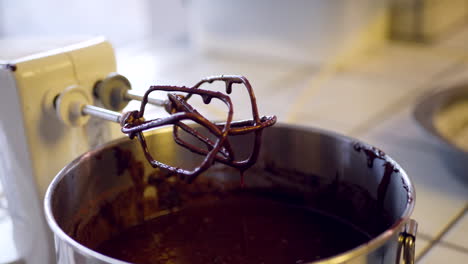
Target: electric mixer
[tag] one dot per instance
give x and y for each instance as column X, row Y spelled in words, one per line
column 68, row 83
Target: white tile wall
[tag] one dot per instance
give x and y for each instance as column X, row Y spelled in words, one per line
column 173, row 66
column 455, row 43
column 421, row 245
column 408, row 63
column 349, row 99
column 440, row 254
column 458, row 235
column 7, row 249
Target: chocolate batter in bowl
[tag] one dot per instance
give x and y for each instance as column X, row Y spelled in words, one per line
column 312, row 197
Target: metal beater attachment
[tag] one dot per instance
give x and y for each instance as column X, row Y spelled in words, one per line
column 219, row 149
column 73, row 108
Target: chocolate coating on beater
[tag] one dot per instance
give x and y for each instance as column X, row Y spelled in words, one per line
column 179, row 108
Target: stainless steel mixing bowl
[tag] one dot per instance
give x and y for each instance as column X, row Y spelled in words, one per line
column 107, row 190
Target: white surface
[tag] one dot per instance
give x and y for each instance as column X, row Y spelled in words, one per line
column 16, row 174
column 8, row 253
column 350, row 99
column 440, row 254
column 406, row 65
column 120, row 20
column 18, row 47
column 421, row 244
column 459, row 234
column 301, row 31
column 456, row 43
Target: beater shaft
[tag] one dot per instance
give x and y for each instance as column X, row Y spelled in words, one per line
column 101, row 113
column 132, row 95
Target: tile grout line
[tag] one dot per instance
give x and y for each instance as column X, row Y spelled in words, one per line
column 438, row 237
column 460, row 60
column 455, row 247
column 424, row 236
column 390, row 108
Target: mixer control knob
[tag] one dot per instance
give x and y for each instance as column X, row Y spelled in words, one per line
column 69, row 106
column 112, row 91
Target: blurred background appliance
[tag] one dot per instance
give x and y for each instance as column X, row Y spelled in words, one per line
column 426, row 20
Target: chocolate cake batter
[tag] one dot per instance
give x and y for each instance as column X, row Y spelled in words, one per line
column 242, row 228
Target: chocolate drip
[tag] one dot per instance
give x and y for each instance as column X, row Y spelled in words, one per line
column 384, row 183
column 242, row 183
column 207, row 99
column 372, row 154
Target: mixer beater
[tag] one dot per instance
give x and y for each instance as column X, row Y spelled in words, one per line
column 114, row 91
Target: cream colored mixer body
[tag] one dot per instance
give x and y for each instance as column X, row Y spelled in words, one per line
column 35, row 144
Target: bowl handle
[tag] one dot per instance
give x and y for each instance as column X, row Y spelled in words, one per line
column 407, row 243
